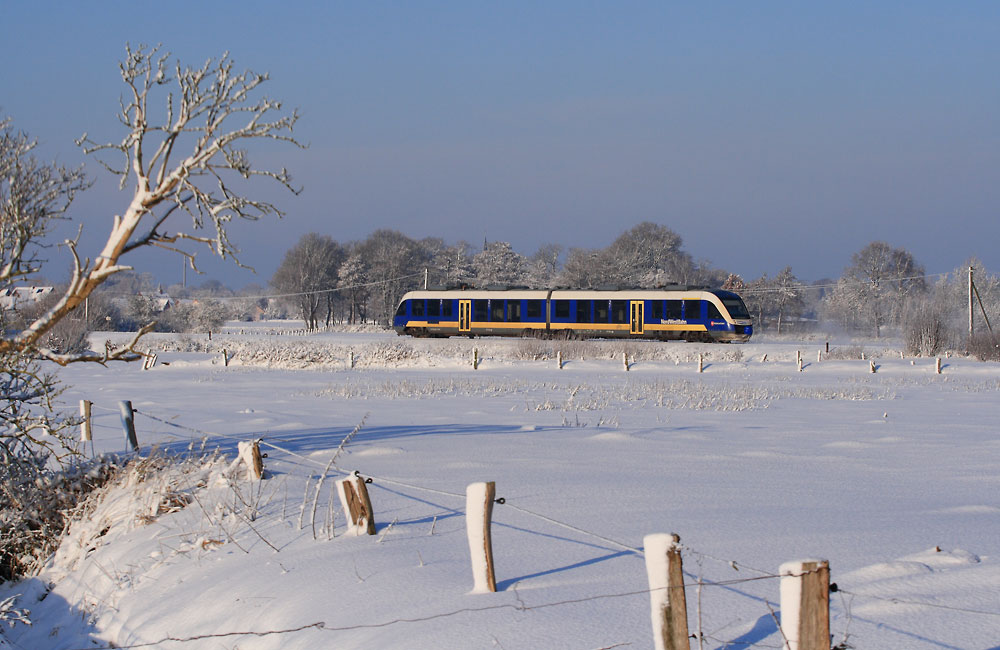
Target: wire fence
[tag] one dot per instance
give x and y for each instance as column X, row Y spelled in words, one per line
column 693, row 581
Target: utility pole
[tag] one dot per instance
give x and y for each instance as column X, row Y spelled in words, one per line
column 971, row 312
column 425, row 278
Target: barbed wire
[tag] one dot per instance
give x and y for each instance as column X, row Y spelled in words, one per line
column 902, row 601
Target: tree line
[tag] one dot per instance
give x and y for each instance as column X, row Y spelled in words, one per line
column 324, row 281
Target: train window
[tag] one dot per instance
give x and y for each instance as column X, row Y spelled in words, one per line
column 736, row 308
column 561, row 308
column 713, row 312
column 674, row 309
column 401, row 310
column 446, row 308
column 601, row 311
column 583, row 311
column 514, row 311
column 496, row 310
column 692, row 310
column 535, row 309
column 619, row 311
column 656, row 309
column 417, row 308
column 479, row 310
column 434, row 308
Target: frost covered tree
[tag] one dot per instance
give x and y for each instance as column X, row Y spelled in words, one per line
column 649, row 255
column 874, row 289
column 585, row 268
column 395, row 265
column 785, row 296
column 352, row 279
column 498, row 264
column 308, row 276
column 543, row 266
column 452, row 265
column 182, row 158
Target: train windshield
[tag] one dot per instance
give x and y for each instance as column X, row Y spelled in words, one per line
column 736, row 307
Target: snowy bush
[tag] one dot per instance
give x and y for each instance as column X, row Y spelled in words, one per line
column 984, row 346
column 925, row 329
column 35, row 507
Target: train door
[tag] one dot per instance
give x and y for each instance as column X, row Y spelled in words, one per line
column 636, row 319
column 464, row 315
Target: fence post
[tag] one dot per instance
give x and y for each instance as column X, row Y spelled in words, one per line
column 128, row 423
column 352, row 359
column 872, row 366
column 819, row 356
column 475, row 358
column 805, row 604
column 798, row 356
column 701, row 362
column 478, row 521
column 225, row 357
column 85, row 430
column 668, row 604
column 559, row 358
column 357, row 505
column 937, row 366
column 625, row 360
column 799, row 364
column 249, row 451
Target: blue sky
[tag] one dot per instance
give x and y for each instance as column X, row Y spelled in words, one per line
column 765, row 133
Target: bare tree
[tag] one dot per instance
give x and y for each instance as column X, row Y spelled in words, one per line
column 309, row 273
column 188, row 164
column 352, row 278
column 394, row 263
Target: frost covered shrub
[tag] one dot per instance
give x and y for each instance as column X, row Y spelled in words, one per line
column 846, row 353
column 37, row 504
column 387, row 354
column 925, row 329
column 985, row 347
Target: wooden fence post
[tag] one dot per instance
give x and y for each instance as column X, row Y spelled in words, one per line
column 819, row 356
column 559, row 358
column 625, row 360
column 668, row 604
column 478, row 520
column 85, row 430
column 799, row 364
column 357, row 505
column 128, row 424
column 249, row 451
column 872, row 365
column 805, row 604
column 225, row 357
column 475, row 358
column 701, row 362
column 352, row 359
column 937, row 366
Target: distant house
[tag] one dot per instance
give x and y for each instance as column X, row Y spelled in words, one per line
column 15, row 297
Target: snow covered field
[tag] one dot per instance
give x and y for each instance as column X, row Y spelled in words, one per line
column 893, row 477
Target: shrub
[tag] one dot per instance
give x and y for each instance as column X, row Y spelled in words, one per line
column 925, row 329
column 985, row 346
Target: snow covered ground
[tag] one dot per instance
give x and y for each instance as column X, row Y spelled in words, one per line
column 893, row 477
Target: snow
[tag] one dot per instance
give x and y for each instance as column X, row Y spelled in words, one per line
column 891, row 476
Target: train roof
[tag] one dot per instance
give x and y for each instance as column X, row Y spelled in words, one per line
column 520, row 293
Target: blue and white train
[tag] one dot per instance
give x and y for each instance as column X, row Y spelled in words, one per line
column 673, row 313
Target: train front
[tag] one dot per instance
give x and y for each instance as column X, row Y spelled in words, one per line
column 738, row 317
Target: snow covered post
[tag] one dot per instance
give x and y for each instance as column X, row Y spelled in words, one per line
column 352, row 360
column 872, row 366
column 249, row 452
column 798, row 356
column 668, row 605
column 128, row 424
column 819, row 356
column 937, row 366
column 559, row 359
column 799, row 364
column 85, row 430
column 357, row 505
column 478, row 520
column 625, row 360
column 701, row 362
column 805, row 604
column 225, row 357
column 475, row 358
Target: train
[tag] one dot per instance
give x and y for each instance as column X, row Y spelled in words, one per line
column 671, row 313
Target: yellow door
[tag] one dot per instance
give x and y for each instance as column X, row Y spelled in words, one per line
column 464, row 315
column 636, row 317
